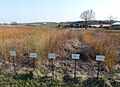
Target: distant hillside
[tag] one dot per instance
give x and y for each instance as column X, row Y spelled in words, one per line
column 70, row 22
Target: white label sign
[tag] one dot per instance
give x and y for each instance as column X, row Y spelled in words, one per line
column 75, row 56
column 51, row 55
column 33, row 55
column 12, row 53
column 100, row 58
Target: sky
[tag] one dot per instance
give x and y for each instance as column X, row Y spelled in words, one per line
column 23, row 11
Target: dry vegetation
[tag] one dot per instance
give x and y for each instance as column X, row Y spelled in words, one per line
column 44, row 40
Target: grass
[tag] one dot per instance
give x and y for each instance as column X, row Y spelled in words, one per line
column 100, row 42
column 26, row 39
column 9, row 80
column 46, row 40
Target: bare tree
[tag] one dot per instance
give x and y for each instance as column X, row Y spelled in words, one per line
column 111, row 18
column 87, row 16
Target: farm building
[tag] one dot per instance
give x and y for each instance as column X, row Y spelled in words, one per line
column 75, row 24
column 95, row 25
column 101, row 25
column 116, row 26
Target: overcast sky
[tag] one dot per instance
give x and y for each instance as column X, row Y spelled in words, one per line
column 55, row 10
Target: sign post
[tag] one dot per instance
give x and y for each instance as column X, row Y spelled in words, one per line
column 100, row 59
column 52, row 56
column 13, row 54
column 75, row 57
column 33, row 56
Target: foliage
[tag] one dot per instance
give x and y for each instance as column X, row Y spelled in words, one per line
column 94, row 82
column 46, row 40
column 99, row 42
column 27, row 39
column 72, row 82
column 8, row 80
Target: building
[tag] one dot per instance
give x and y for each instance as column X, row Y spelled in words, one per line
column 116, row 26
column 75, row 25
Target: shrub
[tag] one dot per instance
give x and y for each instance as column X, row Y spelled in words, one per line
column 94, row 82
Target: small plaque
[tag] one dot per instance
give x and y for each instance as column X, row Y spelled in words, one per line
column 75, row 56
column 33, row 55
column 12, row 53
column 100, row 58
column 51, row 55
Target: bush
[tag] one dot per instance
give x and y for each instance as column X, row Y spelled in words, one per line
column 94, row 82
column 72, row 82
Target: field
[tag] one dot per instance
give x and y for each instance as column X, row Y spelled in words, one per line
column 63, row 42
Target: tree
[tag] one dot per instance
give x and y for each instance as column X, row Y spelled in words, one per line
column 87, row 16
column 111, row 18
